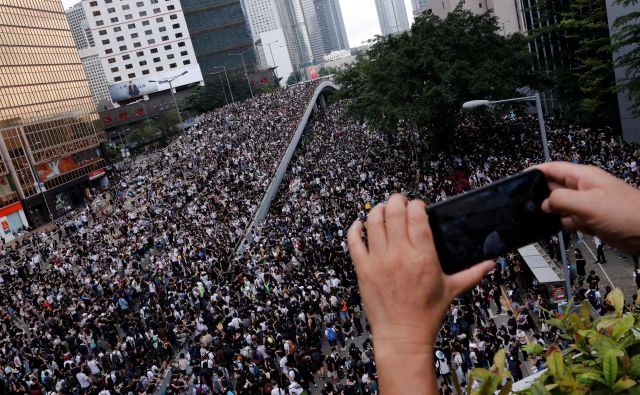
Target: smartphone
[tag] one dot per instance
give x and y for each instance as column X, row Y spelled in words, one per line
column 488, row 222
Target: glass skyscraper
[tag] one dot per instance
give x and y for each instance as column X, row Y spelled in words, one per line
column 50, row 131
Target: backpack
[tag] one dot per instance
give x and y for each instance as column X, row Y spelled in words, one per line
column 331, row 334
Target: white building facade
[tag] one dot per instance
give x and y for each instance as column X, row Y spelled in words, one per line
column 392, row 15
column 141, row 39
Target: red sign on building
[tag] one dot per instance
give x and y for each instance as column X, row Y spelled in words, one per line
column 108, row 120
column 96, row 174
column 124, row 116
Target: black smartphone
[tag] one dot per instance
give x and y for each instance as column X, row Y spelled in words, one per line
column 488, row 222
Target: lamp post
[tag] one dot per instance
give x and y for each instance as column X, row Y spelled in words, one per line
column 273, row 60
column 547, row 158
column 227, row 77
column 244, row 66
column 141, row 101
column 169, row 81
column 226, row 99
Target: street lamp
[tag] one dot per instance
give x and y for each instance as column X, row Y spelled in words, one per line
column 273, row 60
column 143, row 109
column 219, row 73
column 169, row 81
column 244, row 66
column 227, row 77
column 547, row 158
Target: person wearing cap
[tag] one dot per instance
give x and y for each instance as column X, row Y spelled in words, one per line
column 443, row 368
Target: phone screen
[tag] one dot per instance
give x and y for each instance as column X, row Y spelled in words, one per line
column 490, row 221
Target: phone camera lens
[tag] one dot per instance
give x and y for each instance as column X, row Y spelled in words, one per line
column 531, row 206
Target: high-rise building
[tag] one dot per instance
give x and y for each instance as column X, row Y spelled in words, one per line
column 96, row 76
column 296, row 32
column 80, row 27
column 219, row 28
column 49, row 129
column 392, row 16
column 334, row 34
column 418, row 6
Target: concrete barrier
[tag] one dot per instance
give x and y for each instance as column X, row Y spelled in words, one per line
column 318, row 98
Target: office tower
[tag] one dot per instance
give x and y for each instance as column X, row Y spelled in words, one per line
column 80, row 27
column 332, row 28
column 392, row 16
column 49, row 129
column 219, row 28
column 292, row 20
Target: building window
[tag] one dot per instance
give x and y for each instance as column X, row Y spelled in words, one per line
column 143, row 13
column 108, row 51
column 154, row 50
column 128, row 17
column 181, row 44
column 96, row 13
column 151, row 41
column 117, row 29
column 145, row 23
column 120, row 38
column 114, row 69
column 111, row 10
column 183, row 53
column 159, row 68
column 117, row 79
column 156, row 10
column 171, row 7
column 126, row 57
column 105, row 42
column 102, row 32
column 186, row 62
column 173, row 65
column 137, row 44
column 139, row 4
column 134, row 35
column 154, row 1
column 108, row 1
column 114, row 19
column 143, row 63
column 131, row 26
column 140, row 54
column 111, row 60
column 480, row 5
column 99, row 23
column 132, row 75
column 128, row 66
column 145, row 72
column 162, row 29
column 148, row 32
column 178, row 35
column 165, row 38
column 125, row 7
column 159, row 20
column 170, row 56
column 123, row 47
column 174, row 16
column 167, row 47
column 176, row 26
column 93, row 3
column 156, row 60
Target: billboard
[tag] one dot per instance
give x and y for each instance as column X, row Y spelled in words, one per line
column 151, row 83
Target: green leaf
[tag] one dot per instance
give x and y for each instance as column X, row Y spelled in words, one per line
column 506, row 390
column 534, row 349
column 634, row 369
column 610, row 367
column 638, row 298
column 590, row 376
column 538, row 389
column 623, row 384
column 585, row 311
column 616, row 299
column 555, row 363
column 500, row 363
column 622, row 326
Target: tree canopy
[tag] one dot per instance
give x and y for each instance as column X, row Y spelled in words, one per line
column 420, row 79
column 626, row 41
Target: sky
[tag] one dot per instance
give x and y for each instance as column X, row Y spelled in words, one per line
column 360, row 18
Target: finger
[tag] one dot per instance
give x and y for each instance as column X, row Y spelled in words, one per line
column 568, row 202
column 418, row 224
column 357, row 249
column 395, row 217
column 563, row 173
column 467, row 279
column 376, row 232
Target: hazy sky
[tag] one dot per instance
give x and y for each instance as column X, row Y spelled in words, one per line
column 360, row 18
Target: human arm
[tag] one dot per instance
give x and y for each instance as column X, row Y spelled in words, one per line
column 595, row 202
column 405, row 293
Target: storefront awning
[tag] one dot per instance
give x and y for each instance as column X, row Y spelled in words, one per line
column 540, row 267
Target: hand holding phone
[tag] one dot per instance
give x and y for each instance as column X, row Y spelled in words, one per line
column 490, row 221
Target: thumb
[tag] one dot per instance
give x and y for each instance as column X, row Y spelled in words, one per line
column 567, row 202
column 460, row 282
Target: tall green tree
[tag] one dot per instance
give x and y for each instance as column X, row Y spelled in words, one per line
column 419, row 80
column 626, row 40
column 575, row 59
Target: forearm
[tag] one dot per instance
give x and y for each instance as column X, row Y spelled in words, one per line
column 405, row 369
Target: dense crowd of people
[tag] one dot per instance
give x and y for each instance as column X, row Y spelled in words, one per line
column 151, row 283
